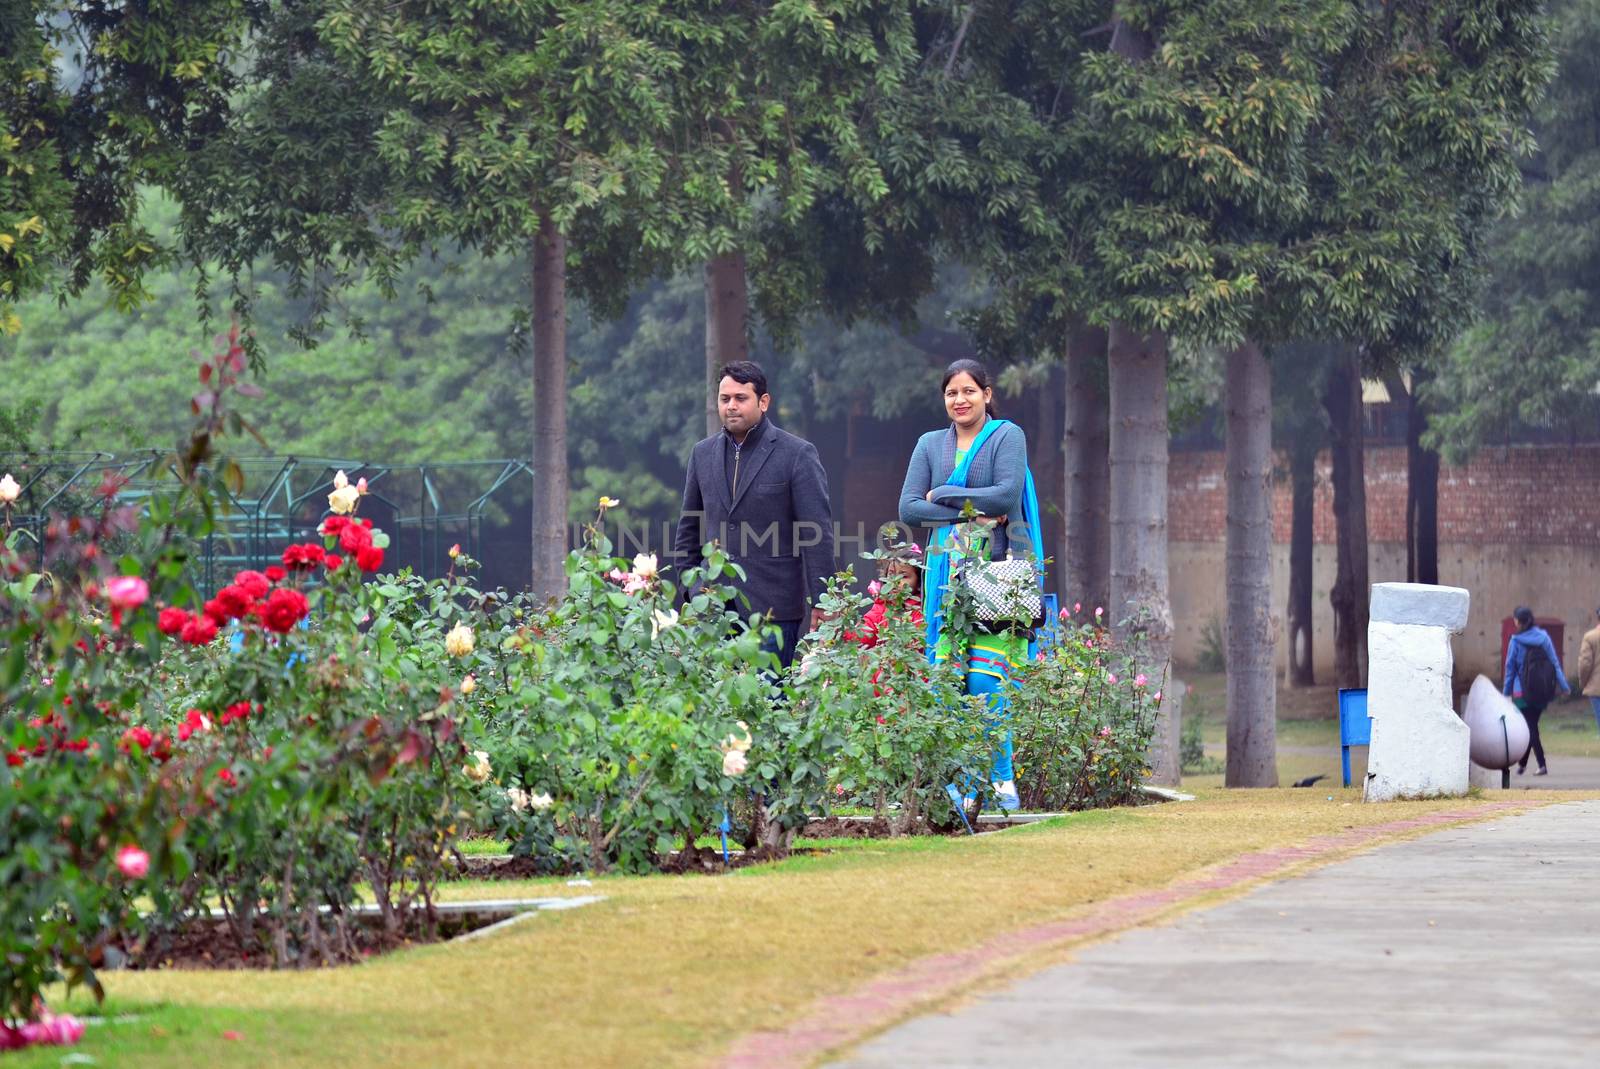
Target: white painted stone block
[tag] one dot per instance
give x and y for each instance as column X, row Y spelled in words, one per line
column 1420, row 603
column 1419, row 745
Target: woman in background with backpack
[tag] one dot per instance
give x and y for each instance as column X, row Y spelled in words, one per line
column 1533, row 673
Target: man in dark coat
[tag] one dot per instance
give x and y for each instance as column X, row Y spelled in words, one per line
column 762, row 494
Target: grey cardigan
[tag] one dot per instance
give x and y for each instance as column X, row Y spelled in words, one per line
column 995, row 481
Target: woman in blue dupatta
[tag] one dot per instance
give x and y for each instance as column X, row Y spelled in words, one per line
column 983, row 460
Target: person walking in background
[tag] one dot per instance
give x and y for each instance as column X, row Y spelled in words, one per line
column 1533, row 674
column 1588, row 661
column 762, row 493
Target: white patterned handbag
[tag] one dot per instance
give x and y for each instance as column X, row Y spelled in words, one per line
column 1006, row 593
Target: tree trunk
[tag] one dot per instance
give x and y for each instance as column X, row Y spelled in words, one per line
column 1351, row 594
column 727, row 323
column 1252, row 693
column 1303, row 483
column 1422, row 493
column 549, row 411
column 1136, row 386
column 1137, row 376
column 1087, row 442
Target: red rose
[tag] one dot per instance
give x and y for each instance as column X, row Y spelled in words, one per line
column 254, row 584
column 171, row 620
column 227, row 777
column 199, row 630
column 275, row 574
column 354, row 538
column 231, row 603
column 369, row 558
column 333, row 561
column 139, row 736
column 194, row 723
column 308, row 555
column 334, row 524
column 236, row 711
column 16, row 758
column 283, row 609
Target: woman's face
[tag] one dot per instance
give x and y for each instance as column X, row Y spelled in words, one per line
column 964, row 401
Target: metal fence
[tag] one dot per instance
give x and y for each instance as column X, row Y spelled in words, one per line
column 425, row 508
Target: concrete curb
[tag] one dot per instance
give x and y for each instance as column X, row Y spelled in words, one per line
column 844, row 1019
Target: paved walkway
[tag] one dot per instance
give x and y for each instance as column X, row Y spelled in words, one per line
column 1472, row 946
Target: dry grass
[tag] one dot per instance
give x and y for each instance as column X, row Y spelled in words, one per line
column 669, row 969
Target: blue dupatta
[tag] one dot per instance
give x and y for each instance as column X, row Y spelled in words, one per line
column 939, row 564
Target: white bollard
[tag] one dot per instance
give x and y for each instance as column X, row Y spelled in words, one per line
column 1419, row 745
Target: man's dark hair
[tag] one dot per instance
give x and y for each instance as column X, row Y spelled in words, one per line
column 1523, row 616
column 747, row 372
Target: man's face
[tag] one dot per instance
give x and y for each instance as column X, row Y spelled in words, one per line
column 739, row 406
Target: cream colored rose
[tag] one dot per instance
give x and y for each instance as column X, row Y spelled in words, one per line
column 739, row 741
column 540, row 802
column 662, row 620
column 478, row 770
column 343, row 500
column 645, row 566
column 9, row 489
column 459, row 642
column 518, row 798
column 734, row 763
column 468, row 685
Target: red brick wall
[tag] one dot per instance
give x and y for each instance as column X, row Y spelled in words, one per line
column 1525, row 495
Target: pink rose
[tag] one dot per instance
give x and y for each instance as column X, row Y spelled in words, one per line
column 1111, row 677
column 64, row 1030
column 127, row 592
column 1139, row 680
column 133, row 862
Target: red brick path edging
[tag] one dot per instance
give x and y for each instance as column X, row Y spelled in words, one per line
column 835, row 1021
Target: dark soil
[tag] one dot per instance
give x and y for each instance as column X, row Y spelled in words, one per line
column 703, row 859
column 876, row 828
column 211, row 944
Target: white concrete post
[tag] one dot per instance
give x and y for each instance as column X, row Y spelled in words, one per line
column 1420, row 747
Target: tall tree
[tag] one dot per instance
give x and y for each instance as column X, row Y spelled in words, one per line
column 1136, row 361
column 99, row 101
column 1534, row 358
column 1252, row 759
column 497, row 126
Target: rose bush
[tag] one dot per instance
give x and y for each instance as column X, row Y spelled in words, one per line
column 1083, row 718
column 901, row 729
column 180, row 752
column 612, row 710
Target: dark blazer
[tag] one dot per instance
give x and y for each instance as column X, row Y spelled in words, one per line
column 778, row 527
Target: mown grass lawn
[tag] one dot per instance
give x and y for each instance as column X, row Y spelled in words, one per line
column 668, row 970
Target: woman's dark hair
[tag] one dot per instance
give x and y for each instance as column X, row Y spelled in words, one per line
column 1523, row 616
column 979, row 373
column 747, row 372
